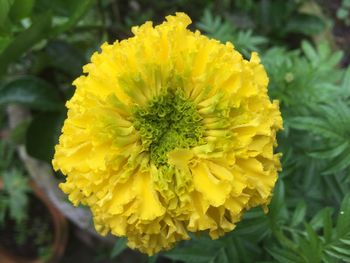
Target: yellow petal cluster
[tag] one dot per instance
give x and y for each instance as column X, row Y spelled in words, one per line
column 169, row 132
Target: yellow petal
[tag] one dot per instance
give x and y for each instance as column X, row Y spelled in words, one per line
column 213, row 190
column 148, row 204
column 180, row 157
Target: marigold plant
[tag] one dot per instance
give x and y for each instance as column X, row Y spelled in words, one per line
column 169, row 132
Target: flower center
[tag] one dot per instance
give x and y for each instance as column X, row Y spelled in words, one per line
column 169, row 121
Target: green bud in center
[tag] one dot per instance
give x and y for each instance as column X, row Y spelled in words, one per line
column 169, row 121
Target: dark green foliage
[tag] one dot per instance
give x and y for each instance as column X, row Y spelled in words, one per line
column 32, row 92
column 223, row 30
column 323, row 239
column 43, row 133
column 301, row 77
column 44, row 44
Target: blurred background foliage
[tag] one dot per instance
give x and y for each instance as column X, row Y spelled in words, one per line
column 305, row 47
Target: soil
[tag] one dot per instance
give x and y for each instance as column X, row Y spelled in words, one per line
column 33, row 238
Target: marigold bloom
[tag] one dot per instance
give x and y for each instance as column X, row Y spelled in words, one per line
column 169, row 132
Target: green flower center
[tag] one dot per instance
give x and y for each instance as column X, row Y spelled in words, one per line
column 169, row 121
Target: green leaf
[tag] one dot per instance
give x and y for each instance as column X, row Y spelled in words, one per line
column 342, row 251
column 253, row 228
column 21, row 9
column 43, row 133
column 25, row 40
column 309, row 51
column 305, row 24
column 4, row 42
column 339, row 164
column 65, row 57
column 345, row 241
column 16, row 187
column 277, row 209
column 191, row 255
column 318, row 219
column 246, row 42
column 119, row 247
column 221, row 257
column 299, row 213
column 152, row 259
column 330, row 153
column 202, row 250
column 231, row 250
column 345, row 86
column 336, row 254
column 343, row 220
column 78, row 11
column 32, row 92
column 284, row 256
column 334, row 186
column 327, row 225
column 311, row 246
column 223, row 30
column 313, row 125
column 5, row 6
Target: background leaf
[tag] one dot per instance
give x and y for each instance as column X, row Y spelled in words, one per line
column 32, row 92
column 43, row 133
column 25, row 40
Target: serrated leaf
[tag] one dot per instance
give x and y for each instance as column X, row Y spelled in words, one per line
column 338, row 255
column 284, row 256
column 313, row 125
column 17, row 189
column 342, row 251
column 329, row 153
column 255, row 227
column 339, row 164
column 345, row 241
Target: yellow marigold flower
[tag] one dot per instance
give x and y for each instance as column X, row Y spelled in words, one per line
column 169, row 132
